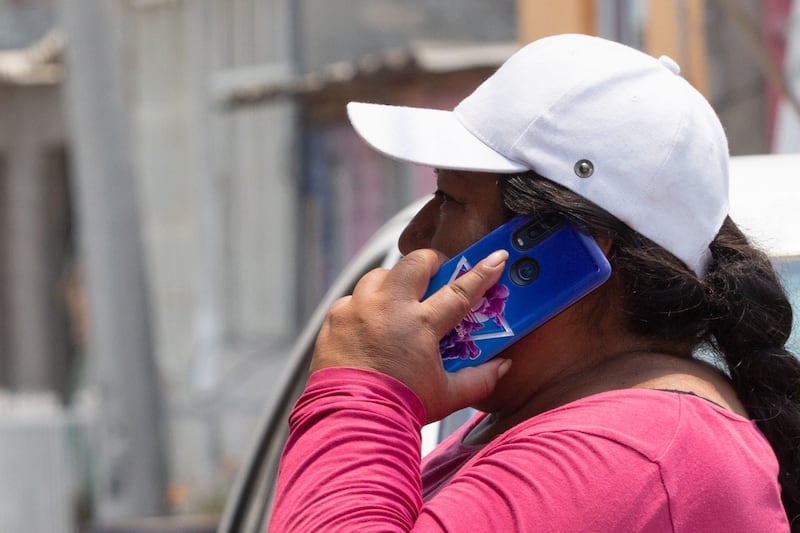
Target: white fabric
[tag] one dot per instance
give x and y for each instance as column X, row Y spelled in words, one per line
column 658, row 151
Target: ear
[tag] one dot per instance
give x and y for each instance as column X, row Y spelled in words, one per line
column 605, row 244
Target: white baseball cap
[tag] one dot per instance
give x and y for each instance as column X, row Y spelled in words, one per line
column 613, row 124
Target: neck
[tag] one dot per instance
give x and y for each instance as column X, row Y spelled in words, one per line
column 648, row 370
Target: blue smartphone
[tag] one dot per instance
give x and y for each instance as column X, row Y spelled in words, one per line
column 551, row 265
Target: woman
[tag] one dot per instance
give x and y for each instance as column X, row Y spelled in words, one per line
column 602, row 419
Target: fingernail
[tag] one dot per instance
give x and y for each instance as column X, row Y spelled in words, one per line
column 496, row 258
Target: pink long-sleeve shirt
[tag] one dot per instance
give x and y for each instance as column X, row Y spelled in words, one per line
column 625, row 460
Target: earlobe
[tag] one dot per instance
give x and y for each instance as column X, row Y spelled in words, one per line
column 605, row 244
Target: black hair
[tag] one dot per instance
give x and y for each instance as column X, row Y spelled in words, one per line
column 738, row 311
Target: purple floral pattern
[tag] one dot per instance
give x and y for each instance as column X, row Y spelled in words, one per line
column 459, row 343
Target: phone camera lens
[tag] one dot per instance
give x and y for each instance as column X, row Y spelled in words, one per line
column 536, row 231
column 524, row 271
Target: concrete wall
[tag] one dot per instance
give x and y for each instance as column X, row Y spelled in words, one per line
column 217, row 200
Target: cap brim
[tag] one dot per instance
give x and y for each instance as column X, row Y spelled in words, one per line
column 429, row 137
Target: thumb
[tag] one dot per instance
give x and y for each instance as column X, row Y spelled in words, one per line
column 470, row 385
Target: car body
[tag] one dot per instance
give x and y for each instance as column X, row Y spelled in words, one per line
column 765, row 202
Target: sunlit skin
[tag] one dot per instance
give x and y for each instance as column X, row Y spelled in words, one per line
column 583, row 350
column 465, row 207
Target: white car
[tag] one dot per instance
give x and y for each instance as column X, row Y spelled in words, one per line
column 765, row 202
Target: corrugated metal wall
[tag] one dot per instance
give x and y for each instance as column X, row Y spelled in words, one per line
column 217, row 200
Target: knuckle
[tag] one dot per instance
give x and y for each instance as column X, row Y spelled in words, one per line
column 479, row 273
column 464, row 300
column 414, row 258
column 340, row 304
column 423, row 256
column 470, row 281
column 375, row 273
column 337, row 309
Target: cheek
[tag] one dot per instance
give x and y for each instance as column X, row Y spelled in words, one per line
column 457, row 237
column 448, row 238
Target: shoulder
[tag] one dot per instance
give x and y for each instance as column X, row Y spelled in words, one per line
column 628, row 460
column 691, row 457
column 652, row 422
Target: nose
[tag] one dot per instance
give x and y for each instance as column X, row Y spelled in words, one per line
column 419, row 232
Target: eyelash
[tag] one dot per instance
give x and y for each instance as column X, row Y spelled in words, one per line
column 443, row 196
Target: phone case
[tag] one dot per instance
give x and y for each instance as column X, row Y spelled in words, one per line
column 551, row 265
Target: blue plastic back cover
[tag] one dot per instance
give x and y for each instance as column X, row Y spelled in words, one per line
column 543, row 276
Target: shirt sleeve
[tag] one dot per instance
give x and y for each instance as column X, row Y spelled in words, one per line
column 352, row 459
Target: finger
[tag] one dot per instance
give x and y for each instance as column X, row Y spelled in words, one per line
column 410, row 277
column 371, row 281
column 470, row 385
column 451, row 303
column 339, row 304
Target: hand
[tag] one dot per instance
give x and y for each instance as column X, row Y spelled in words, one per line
column 383, row 326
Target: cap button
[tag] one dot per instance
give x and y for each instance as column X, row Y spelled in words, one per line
column 670, row 64
column 584, row 168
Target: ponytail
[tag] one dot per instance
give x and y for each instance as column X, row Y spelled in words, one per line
column 751, row 319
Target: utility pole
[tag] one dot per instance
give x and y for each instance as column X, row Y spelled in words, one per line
column 676, row 28
column 539, row 19
column 129, row 466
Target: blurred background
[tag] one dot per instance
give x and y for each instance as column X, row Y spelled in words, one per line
column 179, row 186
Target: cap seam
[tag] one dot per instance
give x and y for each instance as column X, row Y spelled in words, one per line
column 697, row 251
column 673, row 142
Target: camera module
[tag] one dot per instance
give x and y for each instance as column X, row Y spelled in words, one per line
column 524, row 271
